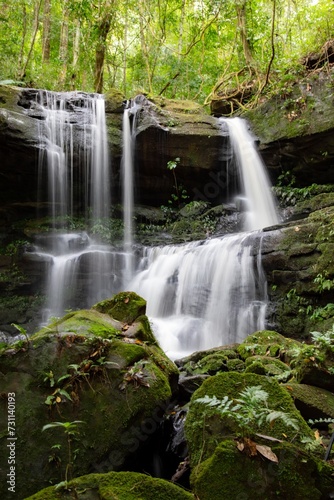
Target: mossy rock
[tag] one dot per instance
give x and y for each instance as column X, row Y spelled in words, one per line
column 208, row 362
column 231, row 474
column 119, row 387
column 272, row 367
column 115, row 486
column 235, row 365
column 114, row 101
column 125, row 307
column 86, row 322
column 205, row 428
column 265, row 343
column 312, row 402
column 315, row 366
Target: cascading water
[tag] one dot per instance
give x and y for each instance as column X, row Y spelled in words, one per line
column 260, row 204
column 74, row 125
column 129, row 135
column 206, row 294
column 203, row 294
column 199, row 295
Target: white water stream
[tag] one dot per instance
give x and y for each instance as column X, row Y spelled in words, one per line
column 127, row 164
column 260, row 204
column 75, row 124
column 199, row 295
column 203, row 294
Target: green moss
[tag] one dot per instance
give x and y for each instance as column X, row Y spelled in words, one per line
column 145, row 333
column 270, row 366
column 229, row 473
column 90, row 375
column 211, row 364
column 114, row 101
column 315, row 367
column 265, row 342
column 256, row 367
column 208, row 362
column 235, row 365
column 316, row 402
column 205, row 428
column 84, row 322
column 125, row 307
column 126, row 354
column 116, row 486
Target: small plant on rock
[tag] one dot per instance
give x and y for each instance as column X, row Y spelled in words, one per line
column 71, row 430
column 325, row 339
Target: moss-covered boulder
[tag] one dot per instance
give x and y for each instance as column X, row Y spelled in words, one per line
column 205, row 427
column 208, row 362
column 266, row 343
column 232, row 474
column 312, row 402
column 125, row 306
column 271, row 367
column 314, row 365
column 87, row 368
column 299, row 266
column 115, row 486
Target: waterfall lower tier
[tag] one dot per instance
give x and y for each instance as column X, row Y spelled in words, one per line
column 203, row 294
column 80, row 273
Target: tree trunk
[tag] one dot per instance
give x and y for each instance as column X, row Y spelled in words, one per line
column 23, row 70
column 144, row 47
column 125, row 51
column 24, row 34
column 242, row 26
column 100, row 51
column 181, row 27
column 46, row 31
column 63, row 47
column 76, row 45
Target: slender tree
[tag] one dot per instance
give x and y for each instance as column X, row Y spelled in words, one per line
column 46, row 31
column 23, row 69
column 102, row 30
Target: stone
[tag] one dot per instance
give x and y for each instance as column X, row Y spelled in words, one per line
column 116, row 485
column 204, row 427
column 230, row 473
column 84, row 368
column 312, row 402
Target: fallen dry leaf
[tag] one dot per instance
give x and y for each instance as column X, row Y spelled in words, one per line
column 267, row 452
column 240, row 446
column 250, row 447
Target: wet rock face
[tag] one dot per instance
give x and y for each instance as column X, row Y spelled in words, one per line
column 166, row 130
column 162, row 135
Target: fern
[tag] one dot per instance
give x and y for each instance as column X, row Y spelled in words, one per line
column 250, row 409
column 287, row 419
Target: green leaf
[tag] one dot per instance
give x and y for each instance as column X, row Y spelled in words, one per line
column 65, row 393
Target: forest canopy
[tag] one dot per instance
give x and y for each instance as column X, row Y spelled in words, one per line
column 185, row 49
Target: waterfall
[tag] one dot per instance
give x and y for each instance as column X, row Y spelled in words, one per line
column 75, row 153
column 199, row 295
column 74, row 125
column 260, row 204
column 99, row 165
column 203, row 294
column 129, row 136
